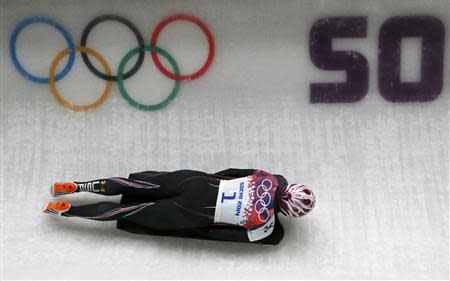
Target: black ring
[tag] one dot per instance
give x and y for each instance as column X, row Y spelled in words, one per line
column 133, row 28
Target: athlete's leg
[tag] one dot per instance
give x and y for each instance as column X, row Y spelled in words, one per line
column 194, row 207
column 148, row 186
column 102, row 211
column 161, row 215
column 107, row 186
column 168, row 215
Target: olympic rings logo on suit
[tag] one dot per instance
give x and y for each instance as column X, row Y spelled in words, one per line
column 263, row 203
column 107, row 75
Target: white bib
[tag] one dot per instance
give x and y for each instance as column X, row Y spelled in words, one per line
column 248, row 202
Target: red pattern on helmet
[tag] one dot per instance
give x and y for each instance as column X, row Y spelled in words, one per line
column 297, row 200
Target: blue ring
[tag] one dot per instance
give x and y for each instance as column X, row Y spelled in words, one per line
column 60, row 28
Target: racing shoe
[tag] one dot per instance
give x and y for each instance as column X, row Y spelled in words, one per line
column 62, row 188
column 58, row 207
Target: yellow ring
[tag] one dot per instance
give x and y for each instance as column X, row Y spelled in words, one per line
column 60, row 99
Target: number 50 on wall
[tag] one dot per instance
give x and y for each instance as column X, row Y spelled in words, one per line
column 428, row 28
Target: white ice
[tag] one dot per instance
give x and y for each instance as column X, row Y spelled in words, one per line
column 379, row 170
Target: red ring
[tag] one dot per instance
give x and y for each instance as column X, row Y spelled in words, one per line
column 205, row 30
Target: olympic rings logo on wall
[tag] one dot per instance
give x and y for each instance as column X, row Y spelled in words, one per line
column 106, row 74
column 262, row 201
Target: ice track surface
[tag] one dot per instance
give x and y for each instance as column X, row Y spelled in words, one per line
column 379, row 170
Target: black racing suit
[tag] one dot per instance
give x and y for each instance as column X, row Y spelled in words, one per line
column 180, row 203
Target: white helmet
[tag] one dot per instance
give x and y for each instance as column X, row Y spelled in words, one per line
column 297, row 200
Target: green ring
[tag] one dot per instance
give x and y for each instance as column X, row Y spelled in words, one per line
column 123, row 91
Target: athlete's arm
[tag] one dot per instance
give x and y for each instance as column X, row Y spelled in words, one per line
column 224, row 233
column 168, row 182
column 282, row 182
column 239, row 234
column 235, row 173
